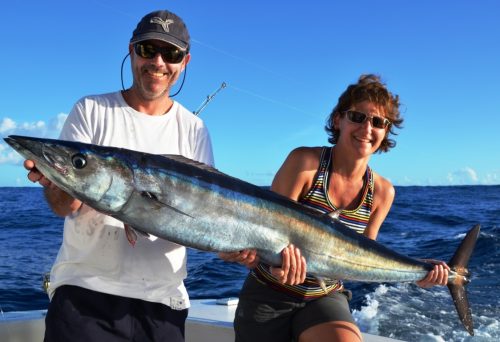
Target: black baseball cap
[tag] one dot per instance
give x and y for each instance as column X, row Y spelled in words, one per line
column 162, row 25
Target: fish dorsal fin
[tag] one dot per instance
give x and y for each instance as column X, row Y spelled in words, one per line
column 185, row 160
column 335, row 214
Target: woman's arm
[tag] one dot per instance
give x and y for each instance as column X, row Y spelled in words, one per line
column 293, row 178
column 383, row 197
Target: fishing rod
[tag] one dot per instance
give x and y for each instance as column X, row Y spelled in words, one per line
column 209, row 98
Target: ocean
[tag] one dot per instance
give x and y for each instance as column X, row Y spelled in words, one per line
column 424, row 222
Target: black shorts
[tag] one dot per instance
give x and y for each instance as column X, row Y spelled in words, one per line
column 77, row 314
column 264, row 314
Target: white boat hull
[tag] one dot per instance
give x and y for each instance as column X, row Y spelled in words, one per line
column 207, row 322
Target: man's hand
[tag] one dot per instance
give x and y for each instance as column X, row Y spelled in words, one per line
column 59, row 201
column 34, row 175
column 246, row 257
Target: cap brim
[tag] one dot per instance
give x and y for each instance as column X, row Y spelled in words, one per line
column 160, row 36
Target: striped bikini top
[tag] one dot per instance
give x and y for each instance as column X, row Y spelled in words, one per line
column 317, row 198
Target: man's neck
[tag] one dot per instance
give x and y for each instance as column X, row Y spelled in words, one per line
column 154, row 107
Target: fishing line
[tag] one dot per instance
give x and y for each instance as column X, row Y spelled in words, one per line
column 246, row 61
column 248, row 92
column 195, row 41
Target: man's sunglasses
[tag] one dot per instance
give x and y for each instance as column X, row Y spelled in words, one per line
column 170, row 54
column 359, row 118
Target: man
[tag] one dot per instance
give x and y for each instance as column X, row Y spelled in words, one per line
column 103, row 289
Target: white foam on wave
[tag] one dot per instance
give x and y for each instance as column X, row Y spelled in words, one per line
column 409, row 313
column 367, row 317
column 432, row 338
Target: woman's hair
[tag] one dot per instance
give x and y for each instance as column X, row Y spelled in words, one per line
column 369, row 88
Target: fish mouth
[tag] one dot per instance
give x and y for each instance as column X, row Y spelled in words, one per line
column 37, row 149
column 29, row 148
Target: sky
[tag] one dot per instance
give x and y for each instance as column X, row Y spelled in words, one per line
column 285, row 64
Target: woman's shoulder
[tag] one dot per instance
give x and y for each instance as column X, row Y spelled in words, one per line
column 383, row 188
column 297, row 172
column 305, row 154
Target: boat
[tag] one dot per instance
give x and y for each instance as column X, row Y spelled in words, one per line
column 209, row 320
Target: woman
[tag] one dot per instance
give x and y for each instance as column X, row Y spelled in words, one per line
column 283, row 304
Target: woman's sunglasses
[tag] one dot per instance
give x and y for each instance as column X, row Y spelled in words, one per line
column 359, row 118
column 170, row 54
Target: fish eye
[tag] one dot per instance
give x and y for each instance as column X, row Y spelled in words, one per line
column 79, row 161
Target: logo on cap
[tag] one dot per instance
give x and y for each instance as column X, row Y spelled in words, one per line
column 163, row 23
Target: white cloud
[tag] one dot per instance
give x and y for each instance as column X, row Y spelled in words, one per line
column 9, row 156
column 492, row 178
column 56, row 124
column 33, row 126
column 38, row 128
column 465, row 176
column 6, row 125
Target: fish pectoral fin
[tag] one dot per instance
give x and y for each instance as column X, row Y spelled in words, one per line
column 131, row 233
column 322, row 283
column 154, row 199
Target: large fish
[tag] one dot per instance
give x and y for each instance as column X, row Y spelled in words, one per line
column 195, row 205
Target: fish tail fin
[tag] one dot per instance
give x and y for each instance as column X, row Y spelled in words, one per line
column 458, row 263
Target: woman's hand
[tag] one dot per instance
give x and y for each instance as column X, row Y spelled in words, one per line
column 293, row 268
column 292, row 271
column 437, row 276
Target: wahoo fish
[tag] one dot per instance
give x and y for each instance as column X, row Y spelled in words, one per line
column 195, row 205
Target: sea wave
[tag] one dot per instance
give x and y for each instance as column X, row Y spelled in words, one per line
column 423, row 222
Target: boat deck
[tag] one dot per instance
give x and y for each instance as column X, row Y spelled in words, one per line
column 207, row 322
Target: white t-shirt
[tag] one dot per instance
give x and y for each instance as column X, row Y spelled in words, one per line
column 95, row 253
